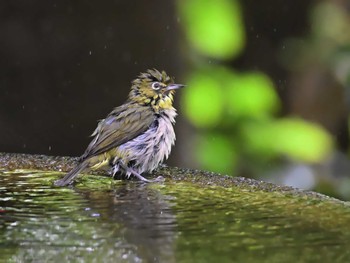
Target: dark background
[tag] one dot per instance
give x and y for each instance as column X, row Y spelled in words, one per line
column 66, row 64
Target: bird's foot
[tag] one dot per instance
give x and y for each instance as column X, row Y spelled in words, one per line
column 159, row 179
column 62, row 182
column 143, row 179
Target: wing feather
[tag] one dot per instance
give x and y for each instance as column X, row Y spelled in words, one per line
column 124, row 123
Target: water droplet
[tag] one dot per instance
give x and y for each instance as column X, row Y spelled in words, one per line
column 95, row 214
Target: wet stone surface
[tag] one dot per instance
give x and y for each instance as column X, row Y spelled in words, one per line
column 193, row 216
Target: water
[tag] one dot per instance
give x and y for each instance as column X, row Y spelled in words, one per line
column 112, row 221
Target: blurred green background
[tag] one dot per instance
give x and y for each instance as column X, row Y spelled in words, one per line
column 267, row 83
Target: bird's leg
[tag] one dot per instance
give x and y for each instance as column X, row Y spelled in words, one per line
column 139, row 176
column 128, row 170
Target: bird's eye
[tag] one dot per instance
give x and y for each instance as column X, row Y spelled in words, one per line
column 156, row 85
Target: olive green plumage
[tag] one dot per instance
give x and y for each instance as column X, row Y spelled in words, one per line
column 136, row 136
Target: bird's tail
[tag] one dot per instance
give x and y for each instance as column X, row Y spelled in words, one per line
column 72, row 174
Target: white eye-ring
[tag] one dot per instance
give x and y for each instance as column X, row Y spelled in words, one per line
column 156, row 85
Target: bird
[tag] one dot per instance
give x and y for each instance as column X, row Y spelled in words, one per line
column 135, row 137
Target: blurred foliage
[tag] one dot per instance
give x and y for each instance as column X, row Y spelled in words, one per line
column 219, row 19
column 237, row 112
column 207, row 109
column 216, row 152
column 251, row 95
column 291, row 137
column 328, row 43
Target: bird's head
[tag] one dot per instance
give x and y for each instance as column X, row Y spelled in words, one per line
column 154, row 88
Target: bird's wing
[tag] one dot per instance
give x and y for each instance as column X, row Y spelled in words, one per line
column 121, row 125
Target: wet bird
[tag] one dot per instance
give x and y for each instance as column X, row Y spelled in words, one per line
column 136, row 136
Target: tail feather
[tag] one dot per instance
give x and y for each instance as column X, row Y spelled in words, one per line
column 71, row 175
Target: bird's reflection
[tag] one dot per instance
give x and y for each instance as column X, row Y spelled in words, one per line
column 142, row 216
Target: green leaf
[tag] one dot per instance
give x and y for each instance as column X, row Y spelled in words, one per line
column 214, row 28
column 215, row 152
column 295, row 138
column 252, row 95
column 203, row 99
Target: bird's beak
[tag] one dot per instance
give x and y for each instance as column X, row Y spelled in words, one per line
column 174, row 86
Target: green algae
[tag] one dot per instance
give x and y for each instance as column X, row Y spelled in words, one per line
column 101, row 219
column 231, row 224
